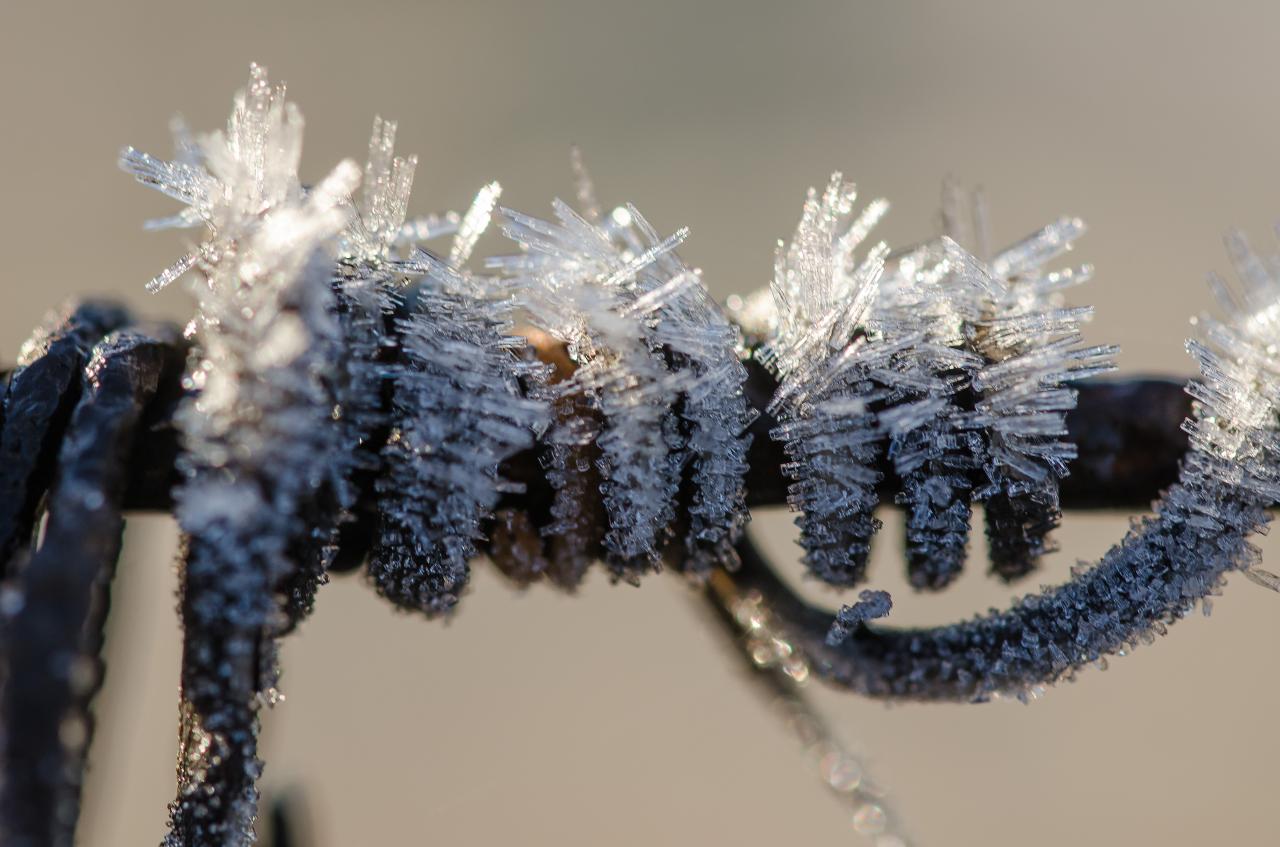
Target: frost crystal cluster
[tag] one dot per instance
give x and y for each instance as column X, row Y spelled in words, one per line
column 654, row 363
column 350, row 388
column 950, row 370
column 1032, row 349
column 260, row 453
column 458, row 411
column 294, row 290
column 1165, row 565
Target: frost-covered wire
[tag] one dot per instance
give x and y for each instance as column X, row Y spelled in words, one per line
column 459, row 409
column 261, row 459
column 1163, row 568
column 1032, row 348
column 940, row 288
column 454, row 375
column 334, row 358
column 850, row 376
column 575, row 277
column 700, row 343
column 656, row 358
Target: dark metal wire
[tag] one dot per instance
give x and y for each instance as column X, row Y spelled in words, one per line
column 1128, row 434
column 54, row 636
column 39, row 397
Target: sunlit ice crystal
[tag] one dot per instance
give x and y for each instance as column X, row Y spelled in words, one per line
column 387, row 184
column 702, row 346
column 644, row 333
column 574, row 278
column 1033, row 350
column 1176, row 559
column 868, row 362
column 261, row 452
column 937, row 288
column 231, row 178
column 459, row 411
column 827, row 396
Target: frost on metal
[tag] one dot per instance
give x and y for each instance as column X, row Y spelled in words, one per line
column 655, row 359
column 452, row 370
column 367, row 280
column 260, row 451
column 1032, row 349
column 687, row 324
column 870, row 605
column 837, row 371
column 459, row 409
column 954, row 368
column 941, row 288
column 1169, row 562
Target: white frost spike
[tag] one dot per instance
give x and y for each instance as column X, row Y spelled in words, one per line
column 459, row 412
column 262, row 456
column 1029, row 256
column 240, row 174
column 172, row 273
column 474, row 224
column 619, row 296
column 577, row 285
column 1033, row 349
column 834, row 372
column 388, row 181
column 821, row 294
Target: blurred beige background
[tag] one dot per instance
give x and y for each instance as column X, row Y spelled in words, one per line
column 616, row 717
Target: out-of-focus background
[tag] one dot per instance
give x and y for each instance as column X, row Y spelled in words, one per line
column 617, row 717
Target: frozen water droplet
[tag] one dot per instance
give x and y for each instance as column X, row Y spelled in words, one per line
column 841, row 771
column 869, row 819
column 11, row 601
column 73, row 733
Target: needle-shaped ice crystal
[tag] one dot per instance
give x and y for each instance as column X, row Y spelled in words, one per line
column 578, row 283
column 259, row 445
column 458, row 412
column 1033, row 350
column 835, row 374
column 656, row 359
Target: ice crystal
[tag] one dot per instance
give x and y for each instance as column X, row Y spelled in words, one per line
column 452, row 371
column 701, row 345
column 835, row 372
column 1033, row 350
column 577, row 291
column 380, row 214
column 870, row 605
column 953, row 367
column 940, row 288
column 1166, row 564
column 655, row 357
column 261, row 455
column 458, row 411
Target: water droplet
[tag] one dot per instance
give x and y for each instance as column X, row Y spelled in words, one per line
column 869, row 819
column 841, row 771
column 73, row 732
